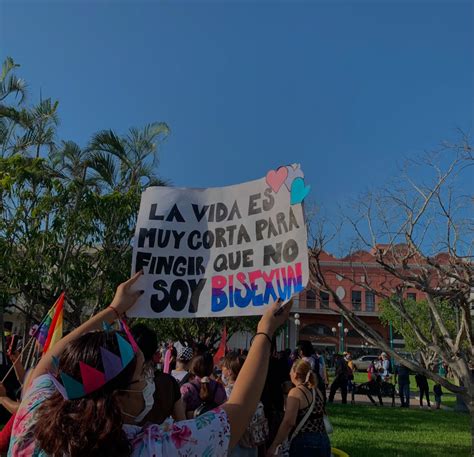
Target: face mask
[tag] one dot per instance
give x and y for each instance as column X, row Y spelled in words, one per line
column 148, row 393
column 225, row 379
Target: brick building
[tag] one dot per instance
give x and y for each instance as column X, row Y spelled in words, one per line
column 320, row 321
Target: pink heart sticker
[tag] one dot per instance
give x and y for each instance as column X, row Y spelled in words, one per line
column 275, row 179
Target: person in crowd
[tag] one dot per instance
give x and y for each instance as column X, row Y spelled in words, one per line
column 257, row 431
column 350, row 371
column 167, row 396
column 12, row 405
column 231, row 365
column 372, row 371
column 403, row 375
column 438, row 392
column 340, row 379
column 422, row 384
column 202, row 392
column 272, row 396
column 183, row 360
column 378, row 365
column 307, row 353
column 322, row 368
column 385, row 366
column 71, row 408
column 311, row 437
column 292, row 358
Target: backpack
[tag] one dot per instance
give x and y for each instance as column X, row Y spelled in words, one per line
column 205, row 406
column 257, row 431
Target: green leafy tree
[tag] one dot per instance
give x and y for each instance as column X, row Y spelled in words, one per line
column 68, row 212
column 200, row 330
column 418, row 312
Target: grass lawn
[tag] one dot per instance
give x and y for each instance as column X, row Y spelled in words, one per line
column 368, row 431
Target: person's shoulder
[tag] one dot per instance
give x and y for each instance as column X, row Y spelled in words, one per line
column 295, row 392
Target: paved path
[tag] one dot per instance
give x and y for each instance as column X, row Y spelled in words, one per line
column 364, row 400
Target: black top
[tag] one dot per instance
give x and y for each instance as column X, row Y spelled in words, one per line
column 315, row 423
column 167, row 393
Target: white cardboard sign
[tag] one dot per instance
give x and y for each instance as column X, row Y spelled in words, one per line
column 219, row 252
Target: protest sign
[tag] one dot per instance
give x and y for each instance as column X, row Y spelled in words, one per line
column 219, row 252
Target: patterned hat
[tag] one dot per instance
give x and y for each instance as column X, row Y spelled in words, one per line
column 93, row 379
column 185, row 353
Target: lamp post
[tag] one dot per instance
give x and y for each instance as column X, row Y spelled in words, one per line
column 391, row 334
column 297, row 325
column 342, row 333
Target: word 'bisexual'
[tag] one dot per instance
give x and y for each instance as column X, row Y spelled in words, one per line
column 256, row 288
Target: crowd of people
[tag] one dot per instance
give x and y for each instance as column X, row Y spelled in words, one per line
column 101, row 391
column 98, row 392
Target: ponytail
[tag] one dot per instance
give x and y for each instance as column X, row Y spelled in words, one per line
column 303, row 371
column 310, row 380
column 204, row 391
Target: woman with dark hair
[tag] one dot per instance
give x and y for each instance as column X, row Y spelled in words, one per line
column 303, row 423
column 202, row 390
column 167, row 397
column 89, row 402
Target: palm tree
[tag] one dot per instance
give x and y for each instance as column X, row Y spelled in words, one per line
column 123, row 163
column 10, row 83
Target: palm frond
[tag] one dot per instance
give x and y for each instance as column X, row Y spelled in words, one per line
column 46, row 112
column 8, row 65
column 104, row 165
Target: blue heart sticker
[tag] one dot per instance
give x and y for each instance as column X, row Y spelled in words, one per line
column 298, row 191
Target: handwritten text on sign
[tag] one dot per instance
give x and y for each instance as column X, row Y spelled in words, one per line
column 221, row 251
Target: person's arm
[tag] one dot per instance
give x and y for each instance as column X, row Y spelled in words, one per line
column 125, row 297
column 10, row 405
column 249, row 385
column 179, row 411
column 288, row 422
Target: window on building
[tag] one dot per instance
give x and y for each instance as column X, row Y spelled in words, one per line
column 369, row 301
column 411, row 296
column 324, row 299
column 356, row 299
column 310, row 299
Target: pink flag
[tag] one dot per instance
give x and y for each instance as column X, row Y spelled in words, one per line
column 166, row 368
column 222, row 347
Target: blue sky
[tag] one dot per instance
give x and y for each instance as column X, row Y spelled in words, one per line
column 345, row 88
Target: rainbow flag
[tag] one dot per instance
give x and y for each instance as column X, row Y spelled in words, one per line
column 51, row 329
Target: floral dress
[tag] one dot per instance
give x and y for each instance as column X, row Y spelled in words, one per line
column 207, row 436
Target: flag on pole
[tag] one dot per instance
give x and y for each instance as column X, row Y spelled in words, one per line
column 220, row 353
column 51, row 330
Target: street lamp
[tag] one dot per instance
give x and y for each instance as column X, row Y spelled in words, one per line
column 297, row 324
column 344, row 335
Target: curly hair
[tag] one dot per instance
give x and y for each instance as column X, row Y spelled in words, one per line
column 92, row 425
